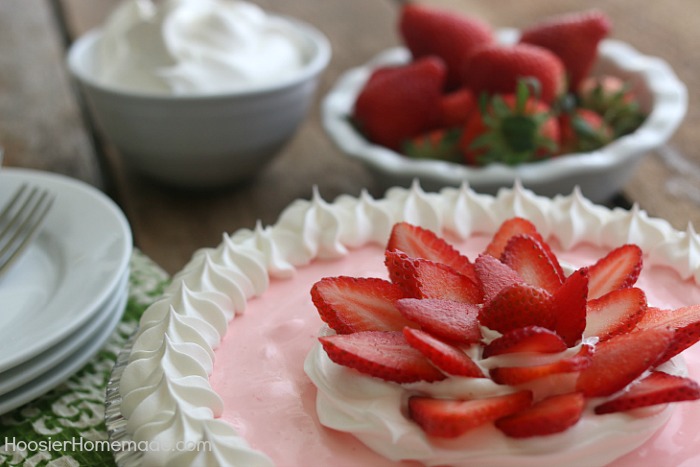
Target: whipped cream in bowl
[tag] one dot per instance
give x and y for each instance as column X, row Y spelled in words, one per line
column 199, row 93
column 186, row 47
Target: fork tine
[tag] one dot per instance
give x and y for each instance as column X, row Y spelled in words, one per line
column 24, row 224
column 5, row 214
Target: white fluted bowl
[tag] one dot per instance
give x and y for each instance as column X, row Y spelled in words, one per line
column 600, row 174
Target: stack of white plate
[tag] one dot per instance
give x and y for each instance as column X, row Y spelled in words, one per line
column 65, row 296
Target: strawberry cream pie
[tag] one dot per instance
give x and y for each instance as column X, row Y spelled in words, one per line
column 448, row 328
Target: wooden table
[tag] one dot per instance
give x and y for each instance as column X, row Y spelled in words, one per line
column 43, row 126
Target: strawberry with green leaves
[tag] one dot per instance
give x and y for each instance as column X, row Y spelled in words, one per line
column 574, row 38
column 400, row 102
column 583, row 130
column 510, row 129
column 430, row 31
column 441, row 144
column 612, row 99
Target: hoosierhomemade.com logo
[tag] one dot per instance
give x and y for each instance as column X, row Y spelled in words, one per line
column 84, row 445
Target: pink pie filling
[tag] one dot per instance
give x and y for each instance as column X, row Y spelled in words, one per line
column 269, row 399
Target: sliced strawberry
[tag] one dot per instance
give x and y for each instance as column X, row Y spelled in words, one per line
column 381, row 354
column 684, row 321
column 422, row 278
column 494, row 276
column 657, row 388
column 527, row 257
column 453, row 321
column 622, row 359
column 517, row 306
column 528, row 339
column 618, row 269
column 548, row 416
column 519, row 226
column 446, row 357
column 524, row 374
column 569, row 307
column 349, row 304
column 418, row 242
column 447, row 418
column 655, row 317
column 509, row 229
column 616, row 312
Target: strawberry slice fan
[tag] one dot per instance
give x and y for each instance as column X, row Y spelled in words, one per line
column 590, row 332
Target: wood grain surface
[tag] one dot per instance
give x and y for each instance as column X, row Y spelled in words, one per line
column 41, row 126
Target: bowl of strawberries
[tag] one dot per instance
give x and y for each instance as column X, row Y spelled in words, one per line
column 555, row 105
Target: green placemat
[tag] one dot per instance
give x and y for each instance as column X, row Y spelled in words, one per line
column 71, row 416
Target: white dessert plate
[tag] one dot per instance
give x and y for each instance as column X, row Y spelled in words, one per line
column 35, row 367
column 68, row 272
column 68, row 366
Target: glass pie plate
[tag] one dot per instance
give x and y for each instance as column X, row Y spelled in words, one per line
column 119, row 438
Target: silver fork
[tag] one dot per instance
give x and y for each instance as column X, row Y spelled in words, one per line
column 20, row 220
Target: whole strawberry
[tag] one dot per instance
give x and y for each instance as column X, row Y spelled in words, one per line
column 574, row 38
column 426, row 30
column 614, row 99
column 440, row 144
column 583, row 130
column 400, row 102
column 510, row 129
column 497, row 69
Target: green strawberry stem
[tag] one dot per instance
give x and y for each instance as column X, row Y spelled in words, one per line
column 513, row 134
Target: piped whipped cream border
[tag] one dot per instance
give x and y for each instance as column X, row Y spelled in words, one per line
column 166, row 394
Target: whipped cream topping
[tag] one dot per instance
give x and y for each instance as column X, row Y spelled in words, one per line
column 373, row 411
column 166, row 395
column 194, row 47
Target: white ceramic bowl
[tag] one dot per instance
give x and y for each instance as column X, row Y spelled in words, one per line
column 599, row 174
column 202, row 141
